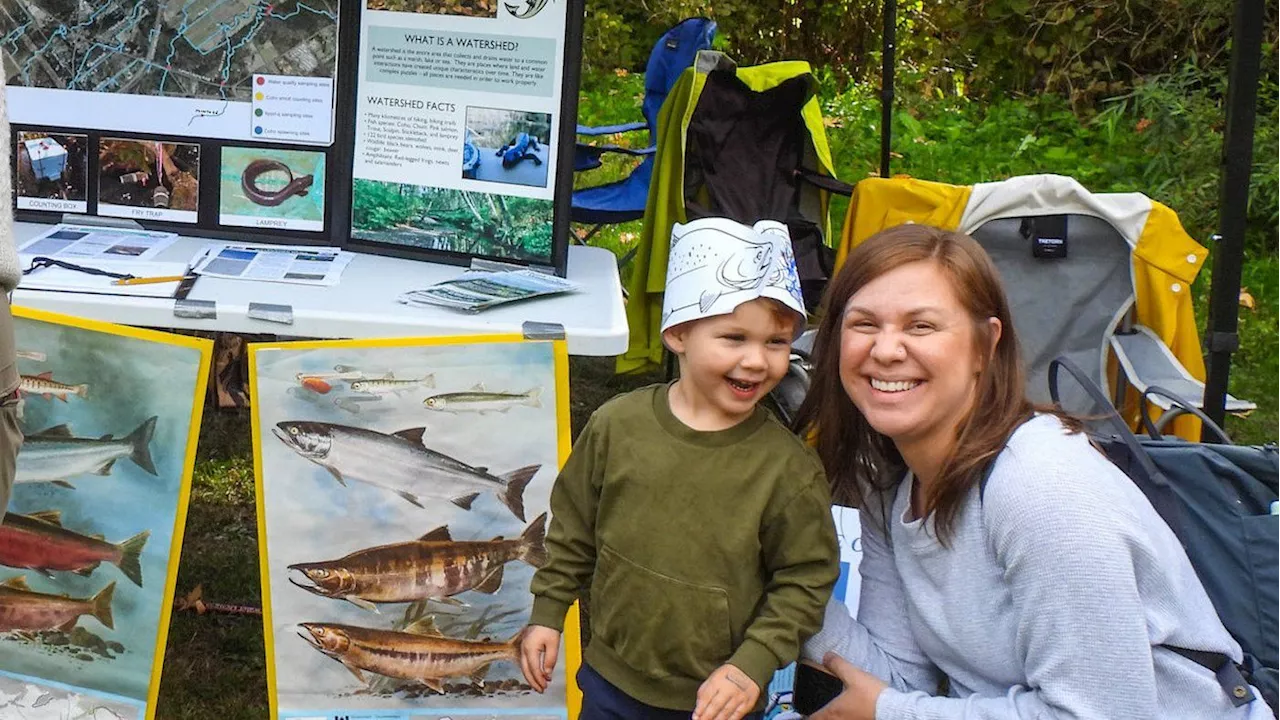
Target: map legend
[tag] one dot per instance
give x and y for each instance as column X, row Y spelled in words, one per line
column 289, row 108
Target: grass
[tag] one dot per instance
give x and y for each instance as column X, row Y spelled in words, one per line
column 214, row 666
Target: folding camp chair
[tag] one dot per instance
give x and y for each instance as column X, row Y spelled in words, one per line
column 744, row 143
column 1089, row 276
column 624, row 200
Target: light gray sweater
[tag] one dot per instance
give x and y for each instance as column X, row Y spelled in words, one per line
column 1053, row 600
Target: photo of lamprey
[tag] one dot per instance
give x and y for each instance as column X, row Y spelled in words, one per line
column 146, row 173
column 265, row 183
column 52, row 166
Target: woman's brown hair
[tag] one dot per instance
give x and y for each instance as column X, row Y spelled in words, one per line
column 859, row 460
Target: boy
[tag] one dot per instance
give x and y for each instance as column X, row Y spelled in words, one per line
column 695, row 525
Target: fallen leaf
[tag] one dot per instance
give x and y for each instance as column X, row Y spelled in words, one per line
column 1246, row 300
column 190, row 600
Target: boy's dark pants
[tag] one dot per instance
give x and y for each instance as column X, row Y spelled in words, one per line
column 602, row 701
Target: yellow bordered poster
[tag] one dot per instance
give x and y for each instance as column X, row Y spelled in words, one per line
column 403, row 488
column 89, row 547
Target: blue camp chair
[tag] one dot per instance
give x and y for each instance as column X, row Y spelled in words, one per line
column 624, row 200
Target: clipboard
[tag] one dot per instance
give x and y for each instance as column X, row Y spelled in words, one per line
column 60, row 279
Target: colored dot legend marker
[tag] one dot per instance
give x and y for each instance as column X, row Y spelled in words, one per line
column 261, row 80
column 258, row 112
column 258, row 96
column 257, row 130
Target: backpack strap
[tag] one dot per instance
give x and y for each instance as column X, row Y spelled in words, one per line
column 1230, row 675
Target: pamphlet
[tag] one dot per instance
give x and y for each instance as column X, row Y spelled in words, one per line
column 474, row 291
column 92, row 242
column 273, row 263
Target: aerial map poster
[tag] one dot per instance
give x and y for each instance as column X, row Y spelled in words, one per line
column 90, row 542
column 222, row 69
column 403, row 495
column 457, row 122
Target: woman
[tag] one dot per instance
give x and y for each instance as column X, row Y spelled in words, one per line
column 1056, row 591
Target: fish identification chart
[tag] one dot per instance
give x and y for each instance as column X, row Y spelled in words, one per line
column 89, row 546
column 403, row 491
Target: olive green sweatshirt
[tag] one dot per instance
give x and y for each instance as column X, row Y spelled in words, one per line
column 692, row 548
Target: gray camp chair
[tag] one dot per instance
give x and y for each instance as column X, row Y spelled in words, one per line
column 1081, row 306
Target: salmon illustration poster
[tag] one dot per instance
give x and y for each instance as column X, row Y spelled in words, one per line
column 403, row 495
column 89, row 546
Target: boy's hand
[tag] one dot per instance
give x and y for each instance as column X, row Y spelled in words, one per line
column 727, row 695
column 539, row 649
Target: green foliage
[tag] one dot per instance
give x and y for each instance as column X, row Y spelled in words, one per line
column 617, row 34
column 1163, row 139
column 380, row 206
column 1083, row 50
column 457, row 220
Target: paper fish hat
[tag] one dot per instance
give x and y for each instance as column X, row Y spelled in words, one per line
column 716, row 264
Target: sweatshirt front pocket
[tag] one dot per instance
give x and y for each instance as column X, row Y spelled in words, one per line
column 656, row 624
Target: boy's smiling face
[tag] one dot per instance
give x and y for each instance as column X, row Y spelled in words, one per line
column 728, row 363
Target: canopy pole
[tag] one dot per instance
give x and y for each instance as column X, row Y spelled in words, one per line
column 887, row 60
column 1233, row 202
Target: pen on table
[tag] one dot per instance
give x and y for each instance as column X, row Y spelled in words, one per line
column 149, row 280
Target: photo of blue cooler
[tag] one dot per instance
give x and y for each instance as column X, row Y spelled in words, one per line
column 48, row 158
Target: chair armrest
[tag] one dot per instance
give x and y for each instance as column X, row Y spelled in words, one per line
column 612, row 129
column 1147, row 361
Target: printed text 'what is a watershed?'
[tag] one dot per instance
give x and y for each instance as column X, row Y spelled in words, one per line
column 459, row 61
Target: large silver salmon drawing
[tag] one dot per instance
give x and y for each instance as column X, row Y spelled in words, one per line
column 399, row 462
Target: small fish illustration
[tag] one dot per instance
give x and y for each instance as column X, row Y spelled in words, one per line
column 419, row 652
column 479, row 400
column 389, row 384
column 21, row 608
column 54, row 454
column 39, row 542
column 433, row 567
column 345, row 373
column 315, row 384
column 45, row 386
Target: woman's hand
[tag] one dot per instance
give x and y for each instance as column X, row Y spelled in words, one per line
column 861, row 690
column 727, row 695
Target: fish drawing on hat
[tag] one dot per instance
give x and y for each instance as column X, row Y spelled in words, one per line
column 715, row 258
column 743, row 262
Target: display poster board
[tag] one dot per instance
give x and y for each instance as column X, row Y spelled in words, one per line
column 440, row 130
column 199, row 117
column 458, row 117
column 403, row 493
column 90, row 543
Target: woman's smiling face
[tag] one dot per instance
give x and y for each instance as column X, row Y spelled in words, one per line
column 908, row 355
